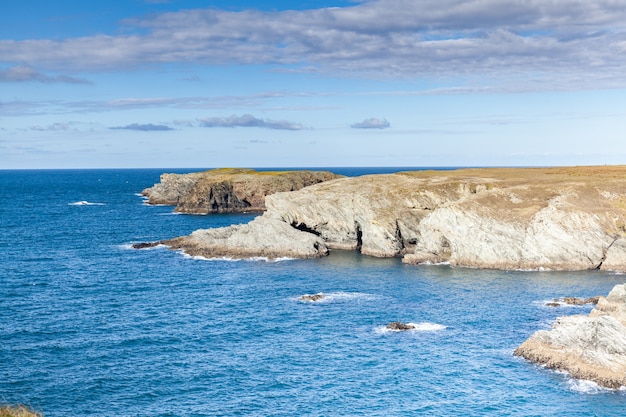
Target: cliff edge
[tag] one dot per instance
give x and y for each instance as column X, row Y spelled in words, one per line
column 587, row 347
column 228, row 189
column 532, row 218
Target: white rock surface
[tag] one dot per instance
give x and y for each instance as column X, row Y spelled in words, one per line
column 588, row 347
column 263, row 237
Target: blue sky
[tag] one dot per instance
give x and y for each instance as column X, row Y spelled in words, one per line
column 184, row 83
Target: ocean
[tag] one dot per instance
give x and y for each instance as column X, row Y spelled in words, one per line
column 91, row 327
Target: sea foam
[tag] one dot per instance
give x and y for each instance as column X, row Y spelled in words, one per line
column 85, row 203
column 338, row 296
column 227, row 259
column 419, row 327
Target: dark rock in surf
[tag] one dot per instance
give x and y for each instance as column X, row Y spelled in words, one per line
column 312, row 297
column 399, row 326
column 145, row 245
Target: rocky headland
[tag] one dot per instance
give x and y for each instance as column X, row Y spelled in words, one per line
column 589, row 347
column 228, row 189
column 570, row 218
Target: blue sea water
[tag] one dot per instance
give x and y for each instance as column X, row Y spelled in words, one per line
column 91, row 327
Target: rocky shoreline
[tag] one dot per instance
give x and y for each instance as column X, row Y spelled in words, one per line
column 520, row 218
column 589, row 347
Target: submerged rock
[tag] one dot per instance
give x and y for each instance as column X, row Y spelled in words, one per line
column 589, row 347
column 396, row 325
column 312, row 297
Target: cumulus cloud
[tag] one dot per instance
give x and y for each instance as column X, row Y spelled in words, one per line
column 143, row 127
column 248, row 120
column 51, row 128
column 563, row 42
column 21, row 73
column 372, row 123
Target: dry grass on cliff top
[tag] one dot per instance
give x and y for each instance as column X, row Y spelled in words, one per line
column 247, row 171
column 556, row 174
column 18, row 411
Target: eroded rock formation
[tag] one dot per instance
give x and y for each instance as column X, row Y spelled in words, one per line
column 556, row 218
column 228, row 190
column 589, row 347
column 251, row 240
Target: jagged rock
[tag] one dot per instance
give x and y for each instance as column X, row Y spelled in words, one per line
column 228, row 190
column 263, row 237
column 396, row 325
column 552, row 218
column 312, row 297
column 145, row 245
column 581, row 301
column 589, row 347
column 574, row 301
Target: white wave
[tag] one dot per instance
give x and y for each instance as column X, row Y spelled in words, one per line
column 227, row 259
column 584, row 386
column 85, row 203
column 173, row 213
column 561, row 304
column 337, row 296
column 419, row 327
column 129, row 246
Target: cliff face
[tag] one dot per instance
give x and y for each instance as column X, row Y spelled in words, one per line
column 228, row 190
column 587, row 347
column 559, row 218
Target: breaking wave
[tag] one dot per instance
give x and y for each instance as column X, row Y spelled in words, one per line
column 85, row 203
column 227, row 259
column 419, row 327
column 336, row 297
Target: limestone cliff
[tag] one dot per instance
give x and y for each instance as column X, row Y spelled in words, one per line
column 228, row 190
column 587, row 347
column 553, row 218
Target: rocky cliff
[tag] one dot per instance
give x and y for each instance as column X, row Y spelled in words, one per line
column 587, row 347
column 228, row 189
column 553, row 218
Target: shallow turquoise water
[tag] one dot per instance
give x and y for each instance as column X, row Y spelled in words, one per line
column 91, row 327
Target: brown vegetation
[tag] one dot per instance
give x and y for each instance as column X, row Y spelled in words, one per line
column 18, row 411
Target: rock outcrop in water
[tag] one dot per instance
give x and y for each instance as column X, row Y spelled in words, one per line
column 587, row 347
column 573, row 301
column 312, row 297
column 399, row 326
column 228, row 189
column 553, row 218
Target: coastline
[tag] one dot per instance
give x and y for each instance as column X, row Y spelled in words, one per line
column 564, row 218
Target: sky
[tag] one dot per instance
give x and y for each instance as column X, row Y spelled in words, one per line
column 329, row 83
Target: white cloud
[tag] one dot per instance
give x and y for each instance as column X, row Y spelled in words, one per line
column 560, row 43
column 51, row 128
column 149, row 127
column 248, row 120
column 21, row 73
column 372, row 123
